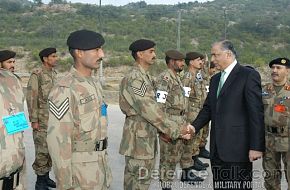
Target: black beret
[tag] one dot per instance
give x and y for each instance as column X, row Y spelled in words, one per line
column 85, row 40
column 141, row 45
column 212, row 65
column 193, row 56
column 6, row 54
column 174, row 54
column 46, row 52
column 280, row 61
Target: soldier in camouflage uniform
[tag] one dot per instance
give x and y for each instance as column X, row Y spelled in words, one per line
column 77, row 125
column 204, row 82
column 276, row 99
column 144, row 119
column 39, row 85
column 172, row 99
column 7, row 60
column 195, row 81
column 12, row 152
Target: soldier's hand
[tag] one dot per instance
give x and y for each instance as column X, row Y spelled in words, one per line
column 191, row 129
column 187, row 131
column 35, row 126
column 255, row 155
column 165, row 137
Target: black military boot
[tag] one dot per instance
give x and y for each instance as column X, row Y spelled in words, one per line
column 189, row 177
column 41, row 183
column 199, row 162
column 203, row 153
column 196, row 165
column 50, row 182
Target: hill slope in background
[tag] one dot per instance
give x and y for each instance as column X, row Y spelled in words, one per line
column 260, row 29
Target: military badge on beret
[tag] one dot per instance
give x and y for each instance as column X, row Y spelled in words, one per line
column 280, row 61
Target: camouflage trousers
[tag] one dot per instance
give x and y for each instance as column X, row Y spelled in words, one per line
column 171, row 154
column 199, row 140
column 137, row 174
column 276, row 150
column 205, row 133
column 90, row 171
column 42, row 163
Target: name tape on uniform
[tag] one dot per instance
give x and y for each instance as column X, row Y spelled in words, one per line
column 186, row 91
column 161, row 96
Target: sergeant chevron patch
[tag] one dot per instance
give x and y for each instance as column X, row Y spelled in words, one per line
column 59, row 111
column 140, row 91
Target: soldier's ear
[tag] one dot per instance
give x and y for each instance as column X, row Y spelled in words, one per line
column 44, row 59
column 79, row 53
column 139, row 54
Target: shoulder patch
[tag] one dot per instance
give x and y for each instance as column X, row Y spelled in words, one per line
column 166, row 78
column 287, row 87
column 37, row 71
column 140, row 90
column 269, row 87
column 65, row 81
column 59, row 111
column 188, row 75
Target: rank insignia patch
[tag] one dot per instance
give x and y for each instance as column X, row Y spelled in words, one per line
column 59, row 111
column 140, row 91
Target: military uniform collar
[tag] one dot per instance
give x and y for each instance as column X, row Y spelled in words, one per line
column 5, row 72
column 45, row 69
column 142, row 69
column 78, row 76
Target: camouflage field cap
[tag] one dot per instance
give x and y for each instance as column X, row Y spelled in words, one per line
column 280, row 61
column 193, row 56
column 174, row 54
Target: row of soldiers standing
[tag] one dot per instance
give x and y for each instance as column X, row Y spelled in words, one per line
column 73, row 119
column 148, row 105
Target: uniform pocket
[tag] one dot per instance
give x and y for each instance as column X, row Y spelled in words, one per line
column 45, row 88
column 88, row 121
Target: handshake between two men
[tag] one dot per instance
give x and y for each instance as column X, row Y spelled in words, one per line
column 187, row 131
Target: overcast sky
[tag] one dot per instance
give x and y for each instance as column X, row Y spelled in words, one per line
column 124, row 2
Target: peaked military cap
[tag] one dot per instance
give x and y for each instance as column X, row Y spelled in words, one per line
column 193, row 56
column 174, row 54
column 280, row 61
column 46, row 52
column 85, row 40
column 6, row 54
column 141, row 45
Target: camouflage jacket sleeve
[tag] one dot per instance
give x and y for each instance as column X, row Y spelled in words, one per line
column 32, row 97
column 145, row 104
column 59, row 134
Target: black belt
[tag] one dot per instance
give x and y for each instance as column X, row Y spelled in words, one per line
column 101, row 145
column 12, row 181
column 176, row 112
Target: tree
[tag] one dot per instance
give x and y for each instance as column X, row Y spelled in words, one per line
column 38, row 2
column 58, row 2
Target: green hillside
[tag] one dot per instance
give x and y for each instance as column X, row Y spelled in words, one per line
column 260, row 29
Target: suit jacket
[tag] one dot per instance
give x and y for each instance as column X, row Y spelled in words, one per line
column 237, row 115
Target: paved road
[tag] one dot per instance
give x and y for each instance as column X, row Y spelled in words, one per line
column 116, row 120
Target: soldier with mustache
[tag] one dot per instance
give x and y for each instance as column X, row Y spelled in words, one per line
column 276, row 100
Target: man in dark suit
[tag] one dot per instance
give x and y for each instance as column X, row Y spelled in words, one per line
column 234, row 106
